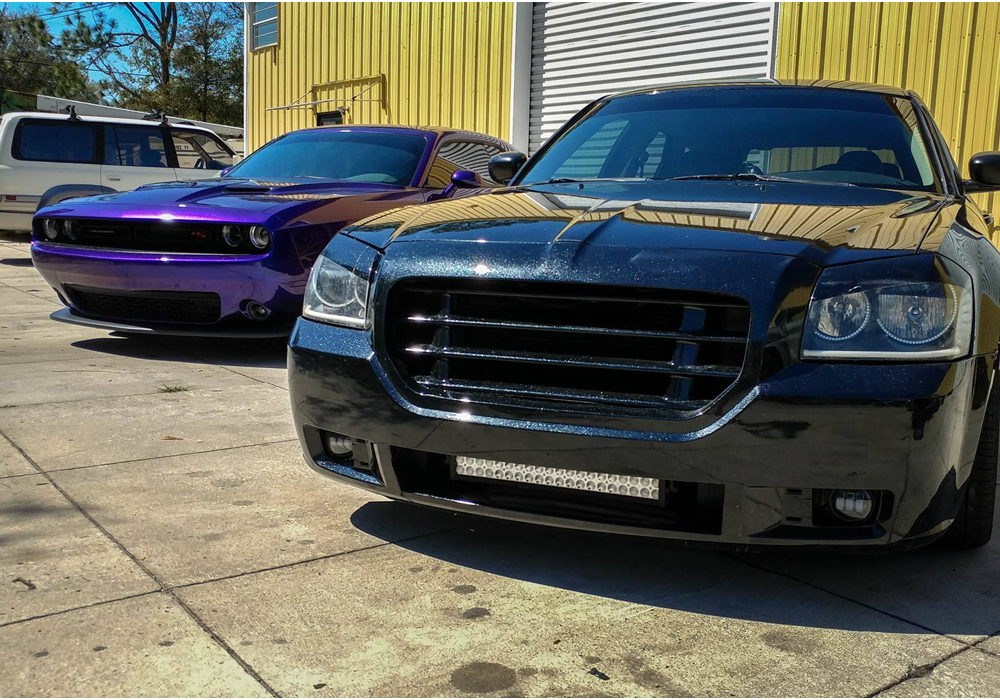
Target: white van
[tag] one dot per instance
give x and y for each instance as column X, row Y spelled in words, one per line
column 46, row 158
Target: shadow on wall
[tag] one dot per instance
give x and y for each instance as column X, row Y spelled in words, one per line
column 937, row 590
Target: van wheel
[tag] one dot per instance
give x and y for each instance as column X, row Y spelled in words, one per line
column 973, row 525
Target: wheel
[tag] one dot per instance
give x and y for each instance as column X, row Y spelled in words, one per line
column 973, row 525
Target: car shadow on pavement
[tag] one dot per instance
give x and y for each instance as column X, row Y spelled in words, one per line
column 237, row 352
column 915, row 592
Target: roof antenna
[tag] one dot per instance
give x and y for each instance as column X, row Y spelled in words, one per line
column 72, row 113
column 156, row 116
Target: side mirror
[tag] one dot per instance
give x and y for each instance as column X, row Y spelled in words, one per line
column 466, row 178
column 984, row 171
column 225, row 171
column 460, row 178
column 504, row 166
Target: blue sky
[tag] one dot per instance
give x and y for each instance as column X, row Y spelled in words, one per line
column 57, row 23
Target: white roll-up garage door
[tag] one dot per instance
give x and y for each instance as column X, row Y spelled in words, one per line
column 582, row 51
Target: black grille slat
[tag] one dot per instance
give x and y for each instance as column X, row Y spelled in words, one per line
column 445, row 320
column 147, row 306
column 546, row 393
column 569, row 297
column 610, row 363
column 576, row 345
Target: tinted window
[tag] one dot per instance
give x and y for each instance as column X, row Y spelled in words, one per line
column 200, row 151
column 822, row 135
column 138, row 146
column 460, row 155
column 58, row 142
column 356, row 156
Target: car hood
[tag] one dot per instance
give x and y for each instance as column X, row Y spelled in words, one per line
column 224, row 199
column 826, row 225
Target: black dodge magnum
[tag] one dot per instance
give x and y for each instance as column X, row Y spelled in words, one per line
column 750, row 313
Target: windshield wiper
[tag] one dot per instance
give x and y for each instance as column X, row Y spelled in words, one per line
column 755, row 177
column 570, row 180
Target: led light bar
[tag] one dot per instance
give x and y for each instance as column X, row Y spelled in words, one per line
column 615, row 484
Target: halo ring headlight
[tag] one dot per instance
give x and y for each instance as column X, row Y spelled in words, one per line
column 51, row 227
column 71, row 228
column 260, row 237
column 232, row 235
column 842, row 317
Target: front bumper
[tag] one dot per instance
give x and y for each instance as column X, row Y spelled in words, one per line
column 275, row 279
column 68, row 315
column 906, row 430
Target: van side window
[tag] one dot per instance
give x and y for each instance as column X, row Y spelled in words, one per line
column 200, row 151
column 137, row 146
column 56, row 142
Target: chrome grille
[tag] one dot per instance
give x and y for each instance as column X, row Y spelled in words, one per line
column 572, row 345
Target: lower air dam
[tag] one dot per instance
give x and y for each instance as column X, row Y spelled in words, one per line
column 615, row 484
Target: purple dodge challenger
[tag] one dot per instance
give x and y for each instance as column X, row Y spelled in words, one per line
column 230, row 256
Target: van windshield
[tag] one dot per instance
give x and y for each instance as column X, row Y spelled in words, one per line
column 806, row 134
column 334, row 154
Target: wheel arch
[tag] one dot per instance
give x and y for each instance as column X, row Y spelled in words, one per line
column 59, row 193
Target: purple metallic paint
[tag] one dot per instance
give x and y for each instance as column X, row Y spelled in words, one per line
column 303, row 216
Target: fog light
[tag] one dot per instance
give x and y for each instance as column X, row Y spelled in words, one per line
column 260, row 237
column 51, row 228
column 258, row 312
column 614, row 484
column 852, row 505
column 338, row 446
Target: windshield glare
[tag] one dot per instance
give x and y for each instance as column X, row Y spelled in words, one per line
column 353, row 156
column 840, row 136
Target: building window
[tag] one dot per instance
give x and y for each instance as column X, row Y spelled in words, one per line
column 330, row 118
column 264, row 24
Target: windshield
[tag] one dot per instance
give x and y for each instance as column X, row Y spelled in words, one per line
column 334, row 154
column 810, row 134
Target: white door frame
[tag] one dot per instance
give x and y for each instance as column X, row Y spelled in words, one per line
column 520, row 70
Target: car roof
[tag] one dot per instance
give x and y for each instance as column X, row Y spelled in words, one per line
column 402, row 128
column 774, row 82
column 58, row 116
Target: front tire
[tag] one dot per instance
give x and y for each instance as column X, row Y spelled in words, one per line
column 973, row 525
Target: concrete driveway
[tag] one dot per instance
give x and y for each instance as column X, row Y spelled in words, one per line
column 160, row 535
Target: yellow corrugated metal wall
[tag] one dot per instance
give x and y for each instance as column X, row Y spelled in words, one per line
column 444, row 64
column 949, row 53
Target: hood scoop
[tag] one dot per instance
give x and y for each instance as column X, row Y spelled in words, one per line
column 247, row 188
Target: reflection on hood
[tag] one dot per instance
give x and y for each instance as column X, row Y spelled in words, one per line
column 543, row 217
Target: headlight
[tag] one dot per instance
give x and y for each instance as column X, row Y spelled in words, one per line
column 337, row 291
column 260, row 237
column 72, row 229
column 912, row 309
column 51, row 228
column 232, row 235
